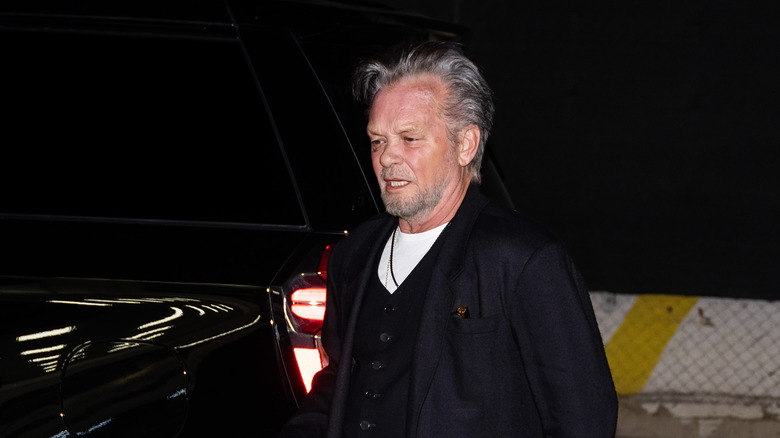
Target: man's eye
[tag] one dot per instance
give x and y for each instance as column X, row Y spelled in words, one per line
column 410, row 139
column 375, row 144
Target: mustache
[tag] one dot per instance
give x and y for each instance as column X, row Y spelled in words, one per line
column 394, row 173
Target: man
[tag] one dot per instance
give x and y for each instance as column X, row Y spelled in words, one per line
column 450, row 315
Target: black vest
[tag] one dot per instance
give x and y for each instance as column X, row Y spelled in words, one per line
column 384, row 346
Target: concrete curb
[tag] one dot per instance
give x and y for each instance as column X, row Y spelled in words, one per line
column 639, row 419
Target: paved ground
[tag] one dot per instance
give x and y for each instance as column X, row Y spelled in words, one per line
column 694, row 420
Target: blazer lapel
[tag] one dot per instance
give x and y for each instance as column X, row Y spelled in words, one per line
column 439, row 303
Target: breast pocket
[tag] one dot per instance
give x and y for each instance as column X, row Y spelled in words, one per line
column 469, row 349
column 466, row 371
column 474, row 326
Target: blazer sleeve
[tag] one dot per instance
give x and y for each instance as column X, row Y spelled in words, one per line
column 561, row 347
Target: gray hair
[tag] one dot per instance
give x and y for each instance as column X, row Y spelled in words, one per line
column 469, row 98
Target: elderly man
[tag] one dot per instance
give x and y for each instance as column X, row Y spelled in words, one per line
column 450, row 315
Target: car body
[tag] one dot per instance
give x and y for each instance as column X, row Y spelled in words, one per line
column 173, row 174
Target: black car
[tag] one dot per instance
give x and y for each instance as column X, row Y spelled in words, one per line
column 173, row 175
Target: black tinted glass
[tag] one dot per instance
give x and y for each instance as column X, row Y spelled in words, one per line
column 138, row 127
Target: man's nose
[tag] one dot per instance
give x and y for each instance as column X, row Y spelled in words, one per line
column 391, row 154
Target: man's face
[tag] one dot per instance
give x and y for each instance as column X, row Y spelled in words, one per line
column 412, row 157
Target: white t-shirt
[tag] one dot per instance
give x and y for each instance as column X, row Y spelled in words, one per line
column 408, row 250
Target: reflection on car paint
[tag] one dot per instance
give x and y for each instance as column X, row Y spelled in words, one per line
column 48, row 362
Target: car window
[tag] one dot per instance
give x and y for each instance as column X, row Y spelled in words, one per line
column 332, row 183
column 138, row 126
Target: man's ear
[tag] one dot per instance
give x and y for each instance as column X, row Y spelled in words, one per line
column 469, row 143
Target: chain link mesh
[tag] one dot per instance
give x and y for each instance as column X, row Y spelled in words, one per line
column 667, row 348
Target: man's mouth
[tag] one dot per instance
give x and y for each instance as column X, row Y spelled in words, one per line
column 397, row 183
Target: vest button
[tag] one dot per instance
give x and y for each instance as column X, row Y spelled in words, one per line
column 377, row 365
column 365, row 425
column 384, row 337
column 389, row 308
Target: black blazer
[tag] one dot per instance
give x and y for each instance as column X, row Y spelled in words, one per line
column 529, row 362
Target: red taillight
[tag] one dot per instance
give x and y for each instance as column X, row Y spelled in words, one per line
column 309, row 364
column 304, row 306
column 309, row 303
column 322, row 269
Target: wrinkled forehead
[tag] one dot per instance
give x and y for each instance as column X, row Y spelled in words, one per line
column 408, row 98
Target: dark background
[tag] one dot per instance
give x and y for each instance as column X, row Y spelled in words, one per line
column 644, row 134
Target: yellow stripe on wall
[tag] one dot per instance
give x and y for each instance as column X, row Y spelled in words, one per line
column 638, row 343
